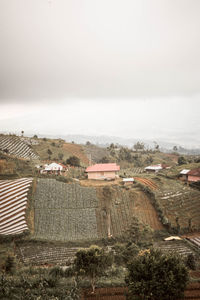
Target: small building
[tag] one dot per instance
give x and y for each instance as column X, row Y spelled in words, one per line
column 54, row 168
column 154, row 168
column 103, row 171
column 194, row 175
column 128, row 181
column 183, row 175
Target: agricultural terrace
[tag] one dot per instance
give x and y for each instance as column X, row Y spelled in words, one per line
column 64, row 211
column 180, row 204
column 13, row 203
column 70, row 212
column 14, row 145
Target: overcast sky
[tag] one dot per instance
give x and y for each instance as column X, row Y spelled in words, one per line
column 125, row 68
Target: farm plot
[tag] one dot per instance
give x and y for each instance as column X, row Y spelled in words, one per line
column 124, row 205
column 181, row 203
column 43, row 254
column 16, row 146
column 179, row 247
column 65, row 211
column 195, row 240
column 13, row 202
column 150, row 183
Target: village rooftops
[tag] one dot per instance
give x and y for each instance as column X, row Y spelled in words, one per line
column 111, row 167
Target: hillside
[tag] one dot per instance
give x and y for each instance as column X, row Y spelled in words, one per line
column 72, row 212
column 180, row 203
column 58, row 150
column 13, row 205
column 19, row 147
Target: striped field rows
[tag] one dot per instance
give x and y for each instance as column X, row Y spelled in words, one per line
column 16, row 146
column 13, row 203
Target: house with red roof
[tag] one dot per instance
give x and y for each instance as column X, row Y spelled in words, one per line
column 103, row 171
column 194, row 175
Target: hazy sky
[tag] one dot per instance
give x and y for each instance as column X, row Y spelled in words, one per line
column 125, row 68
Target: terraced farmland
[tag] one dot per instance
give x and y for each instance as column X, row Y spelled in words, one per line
column 148, row 182
column 180, row 202
column 13, row 202
column 70, row 212
column 43, row 254
column 16, row 146
column 179, row 247
column 65, row 211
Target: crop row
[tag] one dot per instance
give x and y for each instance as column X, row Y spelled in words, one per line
column 174, row 246
column 13, row 202
column 15, row 146
column 38, row 255
column 53, row 194
column 65, row 224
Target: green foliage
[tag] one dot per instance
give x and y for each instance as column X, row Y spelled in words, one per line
column 191, row 262
column 139, row 233
column 154, row 275
column 60, row 155
column 182, row 160
column 35, row 136
column 9, row 266
column 49, row 152
column 104, row 160
column 73, row 161
column 56, row 272
column 92, row 263
column 139, row 146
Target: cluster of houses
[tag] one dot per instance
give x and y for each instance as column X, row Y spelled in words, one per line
column 109, row 171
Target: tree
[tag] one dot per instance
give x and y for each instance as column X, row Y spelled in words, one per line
column 154, row 275
column 22, row 132
column 104, row 160
column 139, row 146
column 92, row 263
column 60, row 156
column 182, row 160
column 73, row 161
column 175, row 148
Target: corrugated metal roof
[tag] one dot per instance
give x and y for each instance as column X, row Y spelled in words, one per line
column 128, row 179
column 184, row 171
column 194, row 172
column 154, row 167
column 103, row 168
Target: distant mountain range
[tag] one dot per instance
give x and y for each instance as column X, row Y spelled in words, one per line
column 166, row 144
column 104, row 141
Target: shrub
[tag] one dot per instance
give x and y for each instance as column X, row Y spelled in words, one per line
column 154, row 275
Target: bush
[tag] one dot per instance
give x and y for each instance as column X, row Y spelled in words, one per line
column 154, row 275
column 73, row 161
column 190, row 262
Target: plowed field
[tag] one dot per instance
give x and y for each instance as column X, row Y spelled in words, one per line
column 119, row 293
column 144, row 210
column 150, row 183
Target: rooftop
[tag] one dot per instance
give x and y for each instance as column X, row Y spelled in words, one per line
column 194, row 172
column 111, row 167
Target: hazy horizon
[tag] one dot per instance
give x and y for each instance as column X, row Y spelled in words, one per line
column 117, row 68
